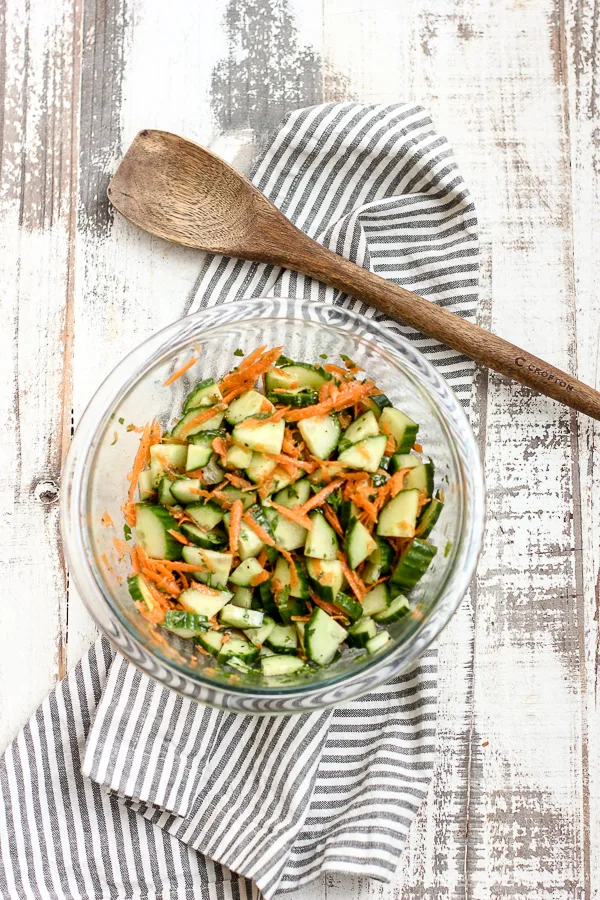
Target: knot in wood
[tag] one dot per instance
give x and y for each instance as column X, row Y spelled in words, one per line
column 46, row 492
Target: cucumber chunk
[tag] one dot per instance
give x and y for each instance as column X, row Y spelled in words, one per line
column 238, row 648
column 322, row 637
column 398, row 608
column 413, row 563
column 298, row 376
column 399, row 516
column 232, row 493
column 321, row 540
column 358, row 544
column 210, row 540
column 165, row 497
column 365, row 455
column 277, row 665
column 421, row 475
column 349, row 606
column 282, row 575
column 379, row 562
column 211, row 424
column 376, row 600
column 428, row 518
column 247, row 406
column 249, row 543
column 165, row 458
column 361, row 632
column 152, row 526
column 200, row 451
column 267, row 437
column 326, row 576
column 238, row 457
column 283, row 639
column 260, row 467
column 205, row 603
column 213, row 567
column 140, row 592
column 184, row 489
column 298, row 398
column 211, row 641
column 377, row 403
column 378, row 642
column 363, row 427
column 320, row 434
column 246, row 572
column 402, row 429
column 236, row 617
column 206, row 393
column 258, row 636
column 294, row 495
column 205, row 515
column 288, row 535
column 146, row 485
column 185, row 624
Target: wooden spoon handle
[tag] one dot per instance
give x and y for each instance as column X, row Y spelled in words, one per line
column 450, row 329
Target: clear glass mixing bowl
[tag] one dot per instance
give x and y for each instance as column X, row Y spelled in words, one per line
column 95, row 482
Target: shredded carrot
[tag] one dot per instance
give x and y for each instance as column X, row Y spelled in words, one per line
column 333, row 520
column 335, row 370
column 329, row 608
column 107, row 521
column 417, row 448
column 226, row 637
column 279, row 414
column 262, row 557
column 220, row 449
column 266, row 538
column 328, row 391
column 251, row 371
column 205, row 589
column 235, row 521
column 259, row 578
column 300, row 618
column 390, row 447
column 179, row 537
column 240, row 483
column 291, row 461
column 293, row 515
column 181, row 371
column 356, row 585
column 104, row 559
column 288, row 446
column 319, row 497
column 166, row 583
column 251, row 358
column 348, row 395
column 150, row 436
column 120, row 547
column 235, row 392
column 139, row 429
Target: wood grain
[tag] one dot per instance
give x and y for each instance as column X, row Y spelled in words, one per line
column 515, row 87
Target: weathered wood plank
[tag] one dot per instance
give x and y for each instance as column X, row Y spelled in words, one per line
column 38, row 79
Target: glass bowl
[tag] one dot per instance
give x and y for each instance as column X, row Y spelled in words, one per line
column 95, row 483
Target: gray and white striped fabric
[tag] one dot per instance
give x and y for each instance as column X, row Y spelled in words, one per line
column 120, row 788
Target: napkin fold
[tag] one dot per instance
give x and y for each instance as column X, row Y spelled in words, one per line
column 119, row 787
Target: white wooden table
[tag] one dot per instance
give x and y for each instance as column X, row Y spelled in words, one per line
column 514, row 810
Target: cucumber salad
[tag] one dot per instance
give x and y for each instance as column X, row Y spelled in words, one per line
column 283, row 519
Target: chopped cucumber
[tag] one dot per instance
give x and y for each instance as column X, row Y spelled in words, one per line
column 321, row 540
column 402, row 429
column 249, row 543
column 185, row 490
column 206, row 602
column 358, row 544
column 421, row 473
column 297, row 398
column 258, row 636
column 349, row 606
column 365, row 455
column 363, row 427
column 277, row 665
column 210, row 540
column 398, row 608
column 326, row 576
column 165, row 497
column 146, row 485
column 347, row 512
column 289, row 607
column 288, row 535
column 212, row 473
column 377, row 403
column 246, row 572
column 399, row 516
column 238, row 648
column 185, row 624
column 152, row 527
column 298, row 376
column 362, row 631
column 282, row 575
column 260, row 467
column 379, row 562
column 294, row 495
column 243, row 598
column 283, row 639
column 321, row 434
column 211, row 424
column 322, row 637
column 238, row 457
column 413, row 563
column 266, row 437
column 236, row 617
column 378, row 642
column 165, row 458
column 376, row 600
column 200, row 451
column 211, row 641
column 213, row 567
column 205, row 515
column 206, row 393
column 247, row 406
column 428, row 518
column 140, row 592
column 232, row 493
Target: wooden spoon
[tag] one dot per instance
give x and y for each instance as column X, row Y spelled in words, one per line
column 179, row 191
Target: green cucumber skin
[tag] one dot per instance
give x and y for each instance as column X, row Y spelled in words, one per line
column 429, row 517
column 413, row 564
column 349, row 606
column 299, row 400
column 173, row 549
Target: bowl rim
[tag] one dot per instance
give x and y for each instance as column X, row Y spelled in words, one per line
column 134, row 367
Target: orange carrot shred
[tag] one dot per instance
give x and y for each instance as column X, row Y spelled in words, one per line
column 333, row 520
column 259, row 578
column 181, row 371
column 348, row 395
column 179, row 537
column 319, row 497
column 235, row 521
column 107, row 521
column 293, row 515
column 200, row 418
column 358, row 588
column 417, row 448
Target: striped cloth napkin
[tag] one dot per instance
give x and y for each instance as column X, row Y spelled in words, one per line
column 120, row 788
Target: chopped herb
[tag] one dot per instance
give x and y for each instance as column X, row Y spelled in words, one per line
column 447, row 548
column 350, row 364
column 244, row 537
column 126, row 532
column 238, row 352
column 121, row 421
column 115, row 440
column 322, row 355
